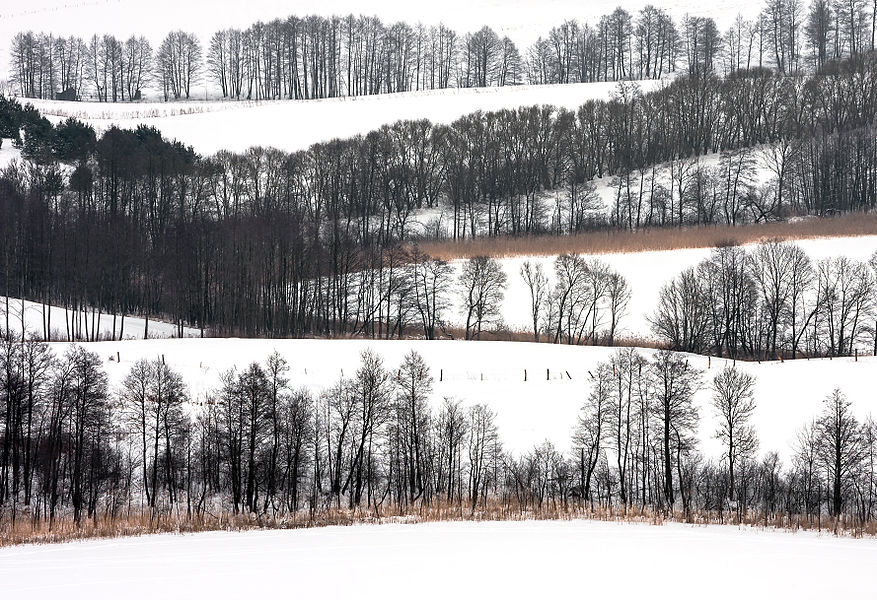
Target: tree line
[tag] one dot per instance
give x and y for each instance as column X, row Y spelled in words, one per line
column 770, row 302
column 377, row 441
column 322, row 57
column 314, row 242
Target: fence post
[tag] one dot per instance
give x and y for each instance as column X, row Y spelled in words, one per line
column 525, row 374
column 441, row 374
column 547, row 374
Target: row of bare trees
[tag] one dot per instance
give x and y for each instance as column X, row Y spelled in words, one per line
column 769, row 302
column 379, row 440
column 637, row 445
column 316, row 57
column 320, row 57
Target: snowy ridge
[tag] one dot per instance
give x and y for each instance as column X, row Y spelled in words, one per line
column 295, row 125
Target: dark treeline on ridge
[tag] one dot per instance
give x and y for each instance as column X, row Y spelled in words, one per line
column 320, row 57
column 312, row 242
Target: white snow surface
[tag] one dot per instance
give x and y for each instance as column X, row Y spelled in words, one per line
column 8, row 153
column 528, row 559
column 60, row 321
column 297, row 124
column 545, row 407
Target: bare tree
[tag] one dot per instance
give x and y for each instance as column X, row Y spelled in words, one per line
column 483, row 450
column 537, row 283
column 432, row 280
column 734, row 404
column 675, row 382
column 839, row 446
column 593, row 424
column 414, row 389
column 482, row 288
column 682, row 315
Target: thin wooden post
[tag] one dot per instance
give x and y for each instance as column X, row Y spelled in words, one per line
column 525, row 374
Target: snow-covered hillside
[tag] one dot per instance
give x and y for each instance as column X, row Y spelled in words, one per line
column 296, row 125
column 61, row 323
column 557, row 559
column 545, row 407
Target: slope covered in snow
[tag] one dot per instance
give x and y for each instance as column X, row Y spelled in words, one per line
column 296, row 125
column 62, row 323
column 544, row 407
column 474, row 560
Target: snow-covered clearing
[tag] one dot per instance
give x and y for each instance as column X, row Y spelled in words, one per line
column 296, row 125
column 446, row 560
column 545, row 407
column 61, row 321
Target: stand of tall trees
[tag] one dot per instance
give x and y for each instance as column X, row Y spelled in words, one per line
column 376, row 441
column 104, row 67
column 321, row 241
column 770, row 302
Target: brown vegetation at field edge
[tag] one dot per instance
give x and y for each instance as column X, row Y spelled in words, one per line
column 644, row 240
column 137, row 524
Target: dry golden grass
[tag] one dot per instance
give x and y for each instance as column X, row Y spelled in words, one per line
column 623, row 241
column 64, row 530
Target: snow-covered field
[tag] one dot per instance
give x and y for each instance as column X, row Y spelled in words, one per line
column 556, row 559
column 296, row 125
column 545, row 407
